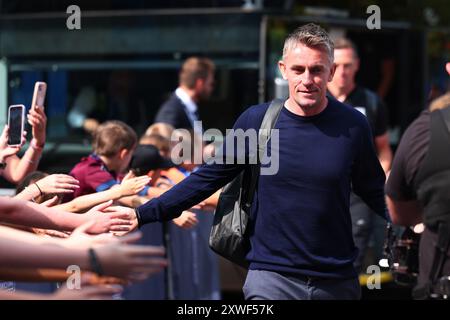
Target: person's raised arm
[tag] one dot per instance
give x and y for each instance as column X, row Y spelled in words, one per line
column 17, row 168
column 8, row 153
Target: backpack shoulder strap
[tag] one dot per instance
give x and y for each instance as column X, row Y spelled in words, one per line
column 268, row 122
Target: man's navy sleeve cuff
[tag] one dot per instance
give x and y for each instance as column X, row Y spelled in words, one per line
column 149, row 212
column 138, row 217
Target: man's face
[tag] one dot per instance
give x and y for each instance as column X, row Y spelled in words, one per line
column 346, row 67
column 206, row 87
column 307, row 70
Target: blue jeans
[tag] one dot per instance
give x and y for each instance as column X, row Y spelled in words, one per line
column 268, row 285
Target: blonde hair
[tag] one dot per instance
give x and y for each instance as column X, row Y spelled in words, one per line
column 160, row 128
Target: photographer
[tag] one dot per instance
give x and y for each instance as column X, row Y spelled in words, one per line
column 417, row 191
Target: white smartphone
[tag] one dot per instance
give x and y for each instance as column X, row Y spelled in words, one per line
column 16, row 122
column 40, row 89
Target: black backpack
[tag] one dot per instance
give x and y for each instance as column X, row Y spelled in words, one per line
column 228, row 236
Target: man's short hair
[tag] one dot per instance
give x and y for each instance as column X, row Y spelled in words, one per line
column 345, row 43
column 113, row 136
column 195, row 68
column 312, row 36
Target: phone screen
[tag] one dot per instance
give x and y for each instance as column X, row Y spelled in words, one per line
column 15, row 123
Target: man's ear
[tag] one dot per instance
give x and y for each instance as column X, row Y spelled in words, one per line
column 282, row 67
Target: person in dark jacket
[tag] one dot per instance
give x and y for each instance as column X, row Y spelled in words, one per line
column 196, row 83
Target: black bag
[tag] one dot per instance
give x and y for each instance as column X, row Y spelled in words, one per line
column 228, row 233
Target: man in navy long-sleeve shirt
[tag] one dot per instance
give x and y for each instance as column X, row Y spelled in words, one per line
column 300, row 226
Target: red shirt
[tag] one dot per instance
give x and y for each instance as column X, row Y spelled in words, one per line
column 93, row 176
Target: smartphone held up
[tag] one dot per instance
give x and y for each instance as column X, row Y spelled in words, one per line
column 40, row 89
column 16, row 122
